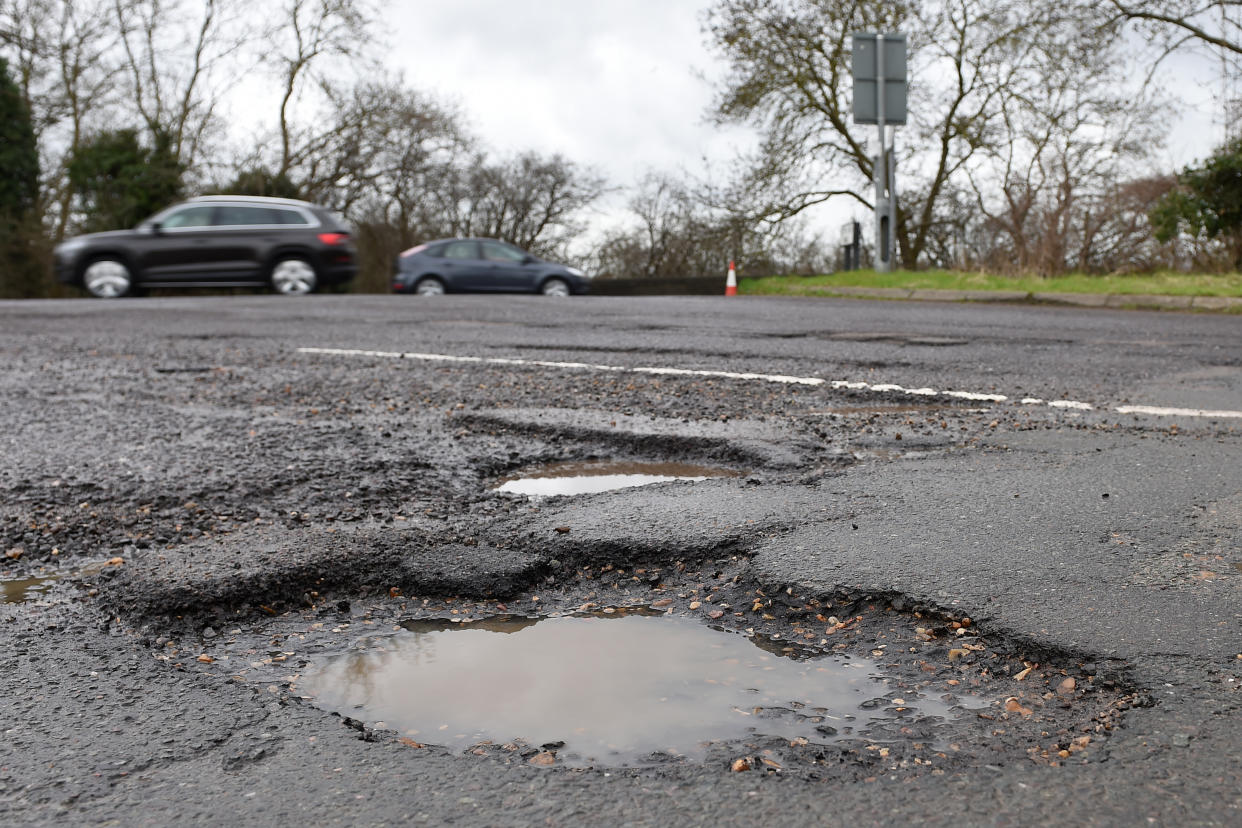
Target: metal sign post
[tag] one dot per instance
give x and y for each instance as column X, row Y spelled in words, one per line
column 851, row 244
column 879, row 64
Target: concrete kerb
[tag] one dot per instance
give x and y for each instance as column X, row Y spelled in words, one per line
column 972, row 295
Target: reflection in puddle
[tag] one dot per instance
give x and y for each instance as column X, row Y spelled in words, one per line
column 24, row 589
column 603, row 476
column 20, row 590
column 615, row 689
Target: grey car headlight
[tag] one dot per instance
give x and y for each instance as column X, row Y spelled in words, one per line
column 573, row 271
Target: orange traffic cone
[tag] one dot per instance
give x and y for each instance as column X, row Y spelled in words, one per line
column 731, row 282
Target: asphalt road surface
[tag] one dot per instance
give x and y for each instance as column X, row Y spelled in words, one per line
column 1033, row 510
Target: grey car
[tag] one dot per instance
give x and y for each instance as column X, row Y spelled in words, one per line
column 482, row 266
column 293, row 247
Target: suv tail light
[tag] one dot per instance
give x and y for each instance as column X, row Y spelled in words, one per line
column 333, row 238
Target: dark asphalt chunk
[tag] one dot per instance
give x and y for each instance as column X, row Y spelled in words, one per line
column 267, row 569
column 739, row 440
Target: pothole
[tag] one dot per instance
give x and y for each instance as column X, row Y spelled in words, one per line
column 621, row 688
column 20, row 590
column 603, row 476
column 911, row 666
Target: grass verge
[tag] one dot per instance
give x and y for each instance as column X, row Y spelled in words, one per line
column 1156, row 284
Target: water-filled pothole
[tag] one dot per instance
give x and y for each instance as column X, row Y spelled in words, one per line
column 20, row 590
column 603, row 476
column 624, row 689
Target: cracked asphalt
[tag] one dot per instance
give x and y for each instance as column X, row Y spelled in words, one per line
column 212, row 511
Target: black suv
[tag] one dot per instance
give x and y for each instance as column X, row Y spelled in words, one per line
column 215, row 241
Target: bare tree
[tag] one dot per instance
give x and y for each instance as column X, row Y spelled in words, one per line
column 676, row 233
column 179, row 58
column 308, row 36
column 533, row 201
column 1064, row 145
column 1211, row 29
column 67, row 68
column 1122, row 241
column 1216, row 23
column 379, row 141
column 790, row 77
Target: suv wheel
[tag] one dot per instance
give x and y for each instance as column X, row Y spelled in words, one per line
column 293, row 276
column 107, row 278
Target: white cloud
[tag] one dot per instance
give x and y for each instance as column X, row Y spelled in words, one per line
column 611, row 83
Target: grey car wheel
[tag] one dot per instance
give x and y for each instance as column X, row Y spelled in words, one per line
column 293, row 277
column 555, row 287
column 107, row 278
column 430, row 286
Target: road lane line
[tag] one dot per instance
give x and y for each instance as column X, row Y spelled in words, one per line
column 1157, row 411
column 1073, row 405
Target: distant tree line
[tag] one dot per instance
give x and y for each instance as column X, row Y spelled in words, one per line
column 1029, row 147
column 1032, row 133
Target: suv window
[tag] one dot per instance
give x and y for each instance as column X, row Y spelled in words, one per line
column 233, row 215
column 496, row 252
column 287, row 216
column 199, row 216
column 461, row 250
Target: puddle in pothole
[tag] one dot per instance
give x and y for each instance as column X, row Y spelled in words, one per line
column 20, row 590
column 618, row 690
column 603, row 476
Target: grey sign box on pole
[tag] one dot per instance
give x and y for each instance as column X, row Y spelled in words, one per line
column 866, row 79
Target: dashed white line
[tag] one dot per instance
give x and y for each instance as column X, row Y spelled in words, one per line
column 970, row 395
column 1157, row 411
column 1074, row 405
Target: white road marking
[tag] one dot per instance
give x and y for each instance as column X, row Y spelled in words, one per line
column 970, row 395
column 777, row 378
column 1176, row 412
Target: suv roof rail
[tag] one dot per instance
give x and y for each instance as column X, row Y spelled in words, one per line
column 260, row 199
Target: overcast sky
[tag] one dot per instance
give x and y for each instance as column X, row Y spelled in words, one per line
column 613, row 83
column 619, row 84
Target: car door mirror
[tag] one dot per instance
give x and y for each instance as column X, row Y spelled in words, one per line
column 157, row 229
column 528, row 259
